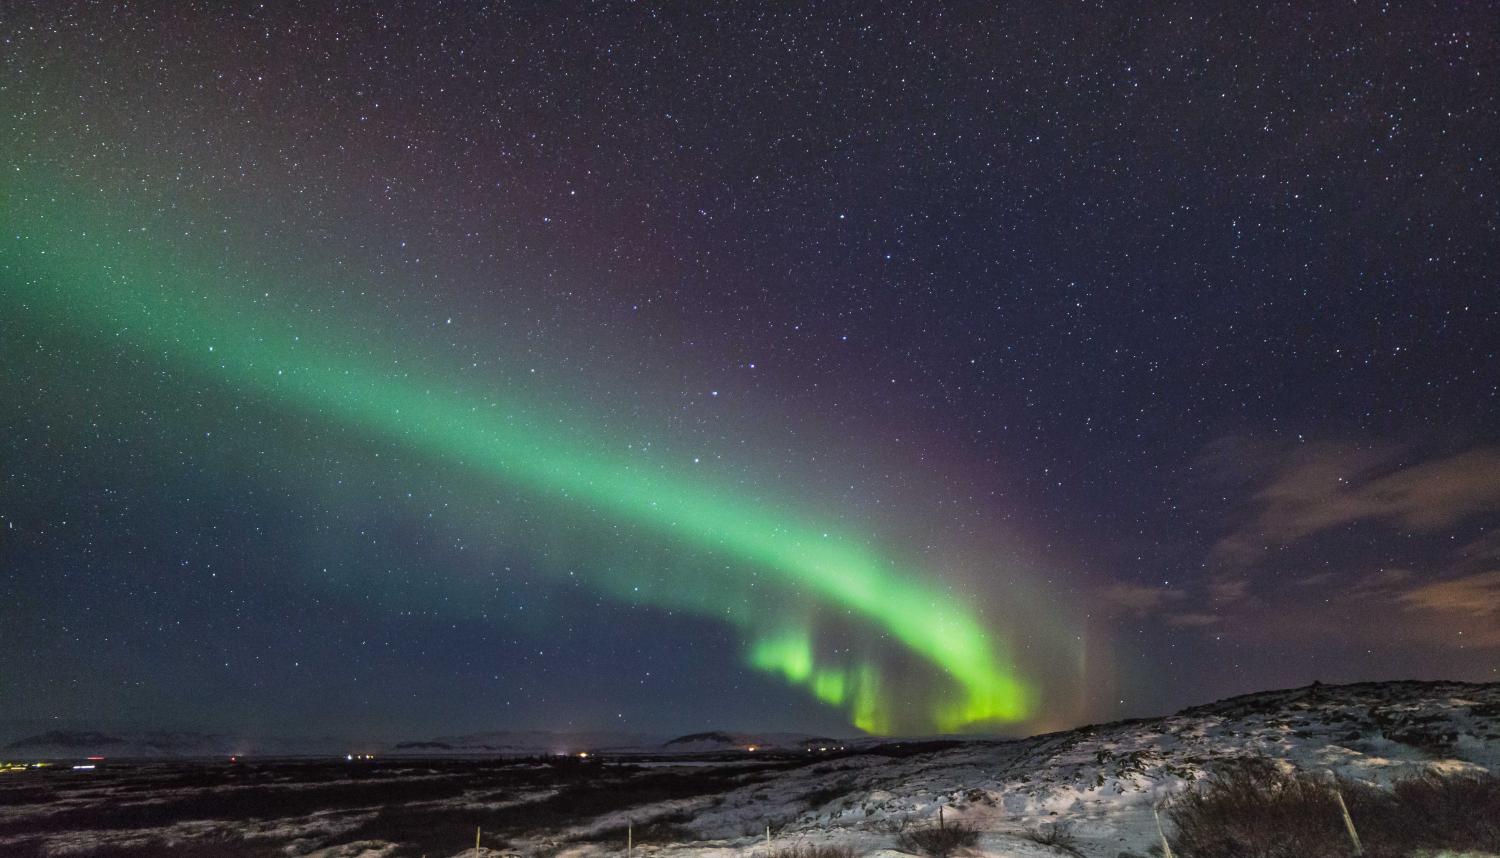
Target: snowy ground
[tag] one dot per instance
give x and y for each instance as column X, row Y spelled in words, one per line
column 1100, row 781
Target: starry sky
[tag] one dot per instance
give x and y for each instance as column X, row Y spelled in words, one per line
column 395, row 370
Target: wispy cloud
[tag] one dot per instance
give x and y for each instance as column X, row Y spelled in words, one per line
column 1374, row 608
column 1165, row 605
column 1225, row 590
column 1192, row 620
column 1139, row 600
column 1473, row 595
column 1445, row 595
column 1311, row 488
column 1461, row 611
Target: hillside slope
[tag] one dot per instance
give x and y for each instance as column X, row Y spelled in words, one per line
column 1104, row 779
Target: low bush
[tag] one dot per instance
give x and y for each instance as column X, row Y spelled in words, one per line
column 1255, row 810
column 1057, row 835
column 938, row 841
column 804, row 850
column 667, row 829
column 1458, row 813
column 821, row 795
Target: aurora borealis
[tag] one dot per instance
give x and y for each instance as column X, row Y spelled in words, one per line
column 411, row 372
column 77, row 269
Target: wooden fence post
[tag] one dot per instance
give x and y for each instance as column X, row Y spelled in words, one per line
column 1348, row 821
column 1166, row 848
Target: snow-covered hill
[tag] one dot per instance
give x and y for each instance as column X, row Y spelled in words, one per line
column 1104, row 779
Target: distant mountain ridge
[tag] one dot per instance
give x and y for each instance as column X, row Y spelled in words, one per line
column 719, row 740
column 61, row 744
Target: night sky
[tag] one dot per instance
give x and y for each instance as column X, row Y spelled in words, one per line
column 406, row 369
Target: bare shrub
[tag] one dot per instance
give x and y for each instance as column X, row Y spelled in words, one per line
column 821, row 795
column 938, row 841
column 806, row 850
column 1459, row 813
column 1057, row 835
column 1255, row 810
column 666, row 829
column 893, row 824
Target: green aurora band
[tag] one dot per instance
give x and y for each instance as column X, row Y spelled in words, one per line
column 73, row 269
